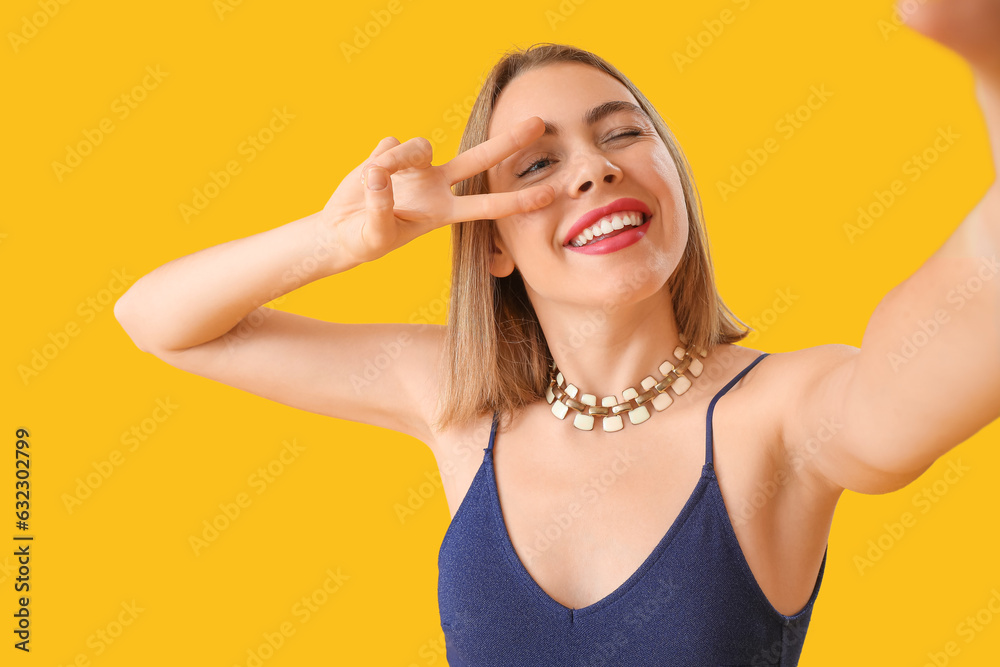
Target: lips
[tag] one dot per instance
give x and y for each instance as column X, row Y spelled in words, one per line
column 590, row 217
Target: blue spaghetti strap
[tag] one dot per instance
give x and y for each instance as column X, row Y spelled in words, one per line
column 493, row 432
column 711, row 406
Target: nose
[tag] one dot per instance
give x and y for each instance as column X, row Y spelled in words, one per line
column 594, row 167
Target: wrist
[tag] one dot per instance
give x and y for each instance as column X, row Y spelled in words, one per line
column 323, row 253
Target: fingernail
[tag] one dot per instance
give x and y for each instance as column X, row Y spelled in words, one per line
column 376, row 178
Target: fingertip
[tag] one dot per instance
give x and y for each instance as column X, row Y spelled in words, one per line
column 536, row 125
column 543, row 196
column 383, row 146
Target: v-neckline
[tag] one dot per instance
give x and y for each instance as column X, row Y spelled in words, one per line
column 707, row 472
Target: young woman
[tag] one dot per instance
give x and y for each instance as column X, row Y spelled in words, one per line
column 648, row 493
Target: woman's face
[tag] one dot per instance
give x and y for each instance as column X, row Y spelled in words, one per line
column 592, row 160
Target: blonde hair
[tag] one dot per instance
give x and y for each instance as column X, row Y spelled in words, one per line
column 497, row 355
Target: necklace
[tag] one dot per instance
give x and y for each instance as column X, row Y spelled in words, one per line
column 565, row 397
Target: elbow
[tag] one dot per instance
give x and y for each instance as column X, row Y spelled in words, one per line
column 126, row 321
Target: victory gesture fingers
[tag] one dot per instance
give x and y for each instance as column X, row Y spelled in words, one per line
column 397, row 194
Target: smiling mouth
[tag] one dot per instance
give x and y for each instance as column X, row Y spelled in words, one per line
column 608, row 226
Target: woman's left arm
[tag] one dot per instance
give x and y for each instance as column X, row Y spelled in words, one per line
column 927, row 374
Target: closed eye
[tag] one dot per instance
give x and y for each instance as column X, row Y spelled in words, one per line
column 628, row 133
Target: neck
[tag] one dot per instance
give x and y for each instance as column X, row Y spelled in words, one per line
column 602, row 352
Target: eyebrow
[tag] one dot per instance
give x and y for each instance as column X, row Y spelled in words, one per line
column 592, row 117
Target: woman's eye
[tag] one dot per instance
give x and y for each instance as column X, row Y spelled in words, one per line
column 531, row 167
column 627, row 133
column 542, row 161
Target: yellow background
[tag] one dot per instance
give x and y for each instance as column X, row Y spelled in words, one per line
column 334, row 506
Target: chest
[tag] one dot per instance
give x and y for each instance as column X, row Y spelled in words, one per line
column 575, row 517
column 581, row 526
column 583, row 513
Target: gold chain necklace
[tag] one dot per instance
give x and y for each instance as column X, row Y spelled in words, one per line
column 563, row 397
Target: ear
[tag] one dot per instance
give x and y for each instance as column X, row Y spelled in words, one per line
column 502, row 264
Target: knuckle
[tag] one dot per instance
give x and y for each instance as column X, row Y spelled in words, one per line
column 417, row 150
column 387, row 161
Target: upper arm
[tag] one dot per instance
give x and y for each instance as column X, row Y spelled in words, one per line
column 381, row 374
column 819, row 435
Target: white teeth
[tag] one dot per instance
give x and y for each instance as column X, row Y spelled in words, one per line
column 607, row 225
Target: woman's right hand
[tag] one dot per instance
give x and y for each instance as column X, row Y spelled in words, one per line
column 417, row 196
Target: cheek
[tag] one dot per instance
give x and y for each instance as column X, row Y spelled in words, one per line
column 664, row 167
column 534, row 229
column 669, row 184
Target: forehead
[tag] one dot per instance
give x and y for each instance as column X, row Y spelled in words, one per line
column 560, row 92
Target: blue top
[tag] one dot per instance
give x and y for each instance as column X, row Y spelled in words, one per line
column 694, row 601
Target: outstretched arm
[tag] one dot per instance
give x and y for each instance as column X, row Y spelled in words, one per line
column 927, row 375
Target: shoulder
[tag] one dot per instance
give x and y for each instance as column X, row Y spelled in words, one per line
column 791, row 379
column 788, row 398
column 788, row 373
column 798, row 393
column 783, row 378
